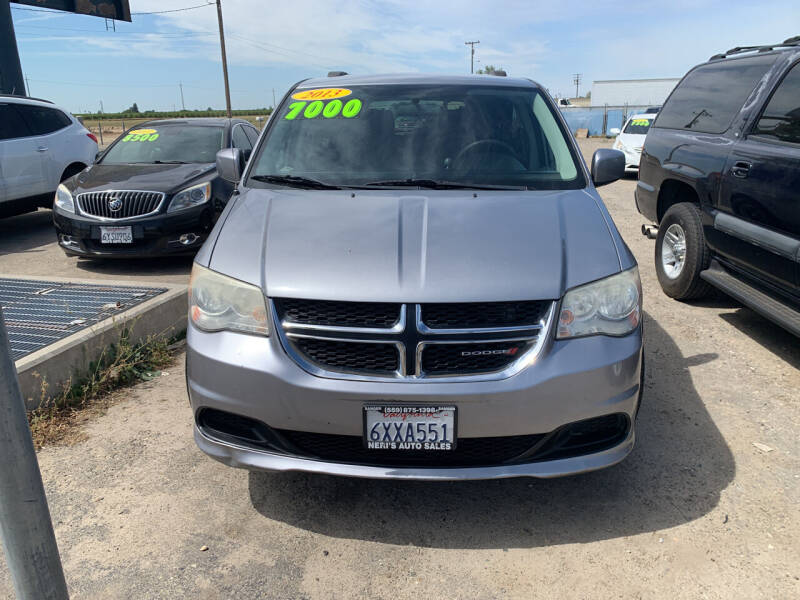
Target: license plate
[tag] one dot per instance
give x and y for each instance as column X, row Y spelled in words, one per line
column 410, row 428
column 116, row 235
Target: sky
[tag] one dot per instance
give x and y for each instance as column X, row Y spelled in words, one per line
column 76, row 62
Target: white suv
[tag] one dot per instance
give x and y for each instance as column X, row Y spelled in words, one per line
column 41, row 145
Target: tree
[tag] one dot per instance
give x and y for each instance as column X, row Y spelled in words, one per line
column 133, row 109
column 588, row 94
column 489, row 69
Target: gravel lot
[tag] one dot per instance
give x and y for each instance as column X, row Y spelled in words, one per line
column 697, row 511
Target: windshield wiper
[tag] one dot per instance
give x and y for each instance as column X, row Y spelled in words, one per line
column 296, row 181
column 435, row 184
column 170, row 162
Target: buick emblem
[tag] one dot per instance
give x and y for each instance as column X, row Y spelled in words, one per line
column 115, row 204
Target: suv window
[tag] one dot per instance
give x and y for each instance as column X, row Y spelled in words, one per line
column 42, row 120
column 11, row 124
column 711, row 95
column 781, row 118
column 240, row 139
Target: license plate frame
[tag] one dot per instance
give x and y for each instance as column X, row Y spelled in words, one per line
column 410, row 415
column 116, row 235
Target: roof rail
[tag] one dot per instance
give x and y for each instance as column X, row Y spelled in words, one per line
column 25, row 98
column 336, row 73
column 791, row 42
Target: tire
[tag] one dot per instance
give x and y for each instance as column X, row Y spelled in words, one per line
column 682, row 228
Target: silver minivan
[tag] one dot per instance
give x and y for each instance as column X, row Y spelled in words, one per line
column 416, row 279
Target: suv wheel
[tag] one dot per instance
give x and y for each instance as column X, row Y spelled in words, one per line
column 681, row 253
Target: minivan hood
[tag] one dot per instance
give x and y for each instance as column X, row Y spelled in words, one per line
column 146, row 177
column 441, row 246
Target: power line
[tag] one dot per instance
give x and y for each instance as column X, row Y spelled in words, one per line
column 161, row 12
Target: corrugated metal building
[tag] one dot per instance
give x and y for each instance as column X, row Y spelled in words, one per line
column 633, row 92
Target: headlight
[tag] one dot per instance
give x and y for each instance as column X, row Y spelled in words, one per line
column 611, row 306
column 218, row 302
column 63, row 199
column 193, row 196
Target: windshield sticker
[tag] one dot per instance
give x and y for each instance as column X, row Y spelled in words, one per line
column 328, row 110
column 322, row 94
column 642, row 122
column 141, row 135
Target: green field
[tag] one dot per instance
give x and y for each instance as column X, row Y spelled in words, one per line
column 110, row 127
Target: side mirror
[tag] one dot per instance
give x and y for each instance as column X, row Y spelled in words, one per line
column 607, row 166
column 229, row 164
column 614, row 131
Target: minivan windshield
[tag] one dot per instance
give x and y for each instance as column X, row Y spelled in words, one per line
column 433, row 135
column 173, row 143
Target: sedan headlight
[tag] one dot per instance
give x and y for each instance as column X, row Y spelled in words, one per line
column 64, row 199
column 190, row 197
column 610, row 306
column 218, row 302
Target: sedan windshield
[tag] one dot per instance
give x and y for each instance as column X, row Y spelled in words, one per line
column 638, row 125
column 174, row 143
column 441, row 137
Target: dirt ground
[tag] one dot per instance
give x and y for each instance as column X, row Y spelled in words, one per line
column 697, row 511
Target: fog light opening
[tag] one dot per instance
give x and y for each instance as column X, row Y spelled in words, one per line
column 68, row 240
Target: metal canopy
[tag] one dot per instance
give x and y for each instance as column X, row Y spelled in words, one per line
column 39, row 313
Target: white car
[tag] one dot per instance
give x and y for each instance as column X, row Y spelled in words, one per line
column 41, row 145
column 631, row 139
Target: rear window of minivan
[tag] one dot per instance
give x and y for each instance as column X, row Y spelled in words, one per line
column 710, row 96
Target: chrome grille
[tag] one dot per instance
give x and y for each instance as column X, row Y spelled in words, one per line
column 114, row 205
column 368, row 340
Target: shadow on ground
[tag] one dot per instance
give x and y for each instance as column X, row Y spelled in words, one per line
column 138, row 267
column 26, row 233
column 780, row 342
column 676, row 473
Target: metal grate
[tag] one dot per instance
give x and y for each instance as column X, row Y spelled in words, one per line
column 39, row 313
column 122, row 204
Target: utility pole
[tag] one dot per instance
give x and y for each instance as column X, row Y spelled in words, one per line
column 471, row 55
column 183, row 106
column 101, row 106
column 25, row 526
column 11, row 81
column 28, row 85
column 273, row 98
column 224, row 59
column 576, row 79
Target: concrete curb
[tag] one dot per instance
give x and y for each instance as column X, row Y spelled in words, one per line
column 61, row 361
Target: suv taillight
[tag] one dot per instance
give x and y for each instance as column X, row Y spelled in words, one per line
column 92, row 137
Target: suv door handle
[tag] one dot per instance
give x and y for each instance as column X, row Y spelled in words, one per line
column 42, row 149
column 741, row 169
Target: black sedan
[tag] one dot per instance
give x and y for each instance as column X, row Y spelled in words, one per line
column 154, row 191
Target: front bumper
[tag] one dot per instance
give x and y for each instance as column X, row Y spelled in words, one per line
column 571, row 381
column 158, row 235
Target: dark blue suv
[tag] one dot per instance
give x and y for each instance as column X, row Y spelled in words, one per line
column 720, row 175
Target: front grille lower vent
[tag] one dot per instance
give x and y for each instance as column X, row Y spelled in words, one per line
column 111, row 204
column 350, row 356
column 441, row 359
column 351, row 340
